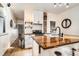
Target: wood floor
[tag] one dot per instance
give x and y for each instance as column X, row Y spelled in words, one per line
column 18, row 52
column 16, row 43
column 15, row 50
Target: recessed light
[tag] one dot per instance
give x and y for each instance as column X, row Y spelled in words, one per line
column 55, row 5
column 60, row 4
column 67, row 5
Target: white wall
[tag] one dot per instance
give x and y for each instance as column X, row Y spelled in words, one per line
column 28, row 15
column 11, row 33
column 72, row 14
column 20, row 21
column 51, row 17
column 4, row 43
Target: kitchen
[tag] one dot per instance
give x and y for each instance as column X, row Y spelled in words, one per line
column 49, row 29
column 53, row 32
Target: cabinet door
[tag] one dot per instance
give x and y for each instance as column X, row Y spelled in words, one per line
column 28, row 28
column 35, row 48
column 28, row 31
column 38, row 17
column 28, row 41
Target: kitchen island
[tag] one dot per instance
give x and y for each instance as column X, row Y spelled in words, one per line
column 44, row 43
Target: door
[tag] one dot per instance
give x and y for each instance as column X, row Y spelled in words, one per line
column 20, row 28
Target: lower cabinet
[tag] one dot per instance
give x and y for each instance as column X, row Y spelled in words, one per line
column 35, row 49
column 63, row 50
column 28, row 41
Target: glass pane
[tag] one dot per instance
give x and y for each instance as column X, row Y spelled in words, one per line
column 2, row 25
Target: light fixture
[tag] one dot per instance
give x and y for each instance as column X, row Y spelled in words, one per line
column 61, row 4
column 55, row 5
column 67, row 5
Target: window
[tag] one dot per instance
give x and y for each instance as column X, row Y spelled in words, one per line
column 2, row 25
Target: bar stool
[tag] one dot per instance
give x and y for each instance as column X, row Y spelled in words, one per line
column 58, row 53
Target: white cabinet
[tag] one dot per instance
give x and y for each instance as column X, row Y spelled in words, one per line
column 38, row 20
column 64, row 50
column 28, row 16
column 28, row 41
column 35, row 49
column 28, row 28
column 38, row 17
column 28, row 31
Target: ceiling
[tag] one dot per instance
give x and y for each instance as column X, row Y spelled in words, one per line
column 18, row 8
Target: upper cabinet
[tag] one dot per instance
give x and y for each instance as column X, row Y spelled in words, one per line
column 35, row 20
column 38, row 17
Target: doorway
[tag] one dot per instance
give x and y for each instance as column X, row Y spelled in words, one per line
column 20, row 29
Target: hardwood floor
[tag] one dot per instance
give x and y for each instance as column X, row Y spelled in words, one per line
column 18, row 52
column 16, row 43
column 15, row 50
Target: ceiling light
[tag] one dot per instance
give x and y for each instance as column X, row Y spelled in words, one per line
column 67, row 5
column 60, row 4
column 55, row 5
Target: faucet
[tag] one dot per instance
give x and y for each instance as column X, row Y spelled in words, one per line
column 59, row 33
column 59, row 30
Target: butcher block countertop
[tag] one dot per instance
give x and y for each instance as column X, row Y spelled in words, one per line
column 47, row 42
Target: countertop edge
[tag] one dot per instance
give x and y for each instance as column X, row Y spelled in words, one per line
column 54, row 46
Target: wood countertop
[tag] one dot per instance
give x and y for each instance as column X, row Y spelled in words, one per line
column 47, row 42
